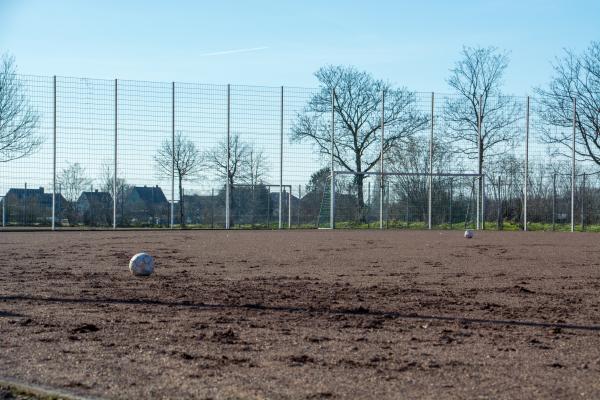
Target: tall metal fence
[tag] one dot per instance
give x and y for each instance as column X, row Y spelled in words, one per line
column 125, row 154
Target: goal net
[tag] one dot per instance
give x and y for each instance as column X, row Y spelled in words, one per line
column 401, row 200
column 259, row 205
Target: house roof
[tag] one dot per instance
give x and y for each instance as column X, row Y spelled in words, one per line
column 22, row 193
column 96, row 196
column 37, row 194
column 150, row 195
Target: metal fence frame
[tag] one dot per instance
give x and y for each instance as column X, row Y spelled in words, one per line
column 382, row 171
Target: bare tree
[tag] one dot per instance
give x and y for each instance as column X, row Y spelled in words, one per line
column 18, row 120
column 72, row 181
column 239, row 152
column 107, row 179
column 257, row 172
column 357, row 109
column 186, row 160
column 508, row 192
column 256, row 166
column 414, row 158
column 107, row 183
column 477, row 79
column 576, row 76
column 246, row 164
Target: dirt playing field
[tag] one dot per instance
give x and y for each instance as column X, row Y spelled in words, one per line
column 303, row 314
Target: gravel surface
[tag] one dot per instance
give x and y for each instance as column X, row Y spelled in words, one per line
column 303, row 314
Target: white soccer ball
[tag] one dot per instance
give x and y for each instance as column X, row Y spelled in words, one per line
column 142, row 264
column 468, row 234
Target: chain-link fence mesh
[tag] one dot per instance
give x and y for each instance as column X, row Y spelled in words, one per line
column 113, row 153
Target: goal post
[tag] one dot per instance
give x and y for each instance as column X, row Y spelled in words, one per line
column 429, row 182
column 284, row 204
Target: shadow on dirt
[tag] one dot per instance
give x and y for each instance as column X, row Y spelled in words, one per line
column 307, row 310
column 7, row 314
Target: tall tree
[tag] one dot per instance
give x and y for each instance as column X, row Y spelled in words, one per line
column 247, row 165
column 106, row 180
column 256, row 166
column 239, row 160
column 477, row 80
column 576, row 76
column 257, row 171
column 72, row 180
column 18, row 120
column 414, row 158
column 319, row 180
column 357, row 109
column 185, row 158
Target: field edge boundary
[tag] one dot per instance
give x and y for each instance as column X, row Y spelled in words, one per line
column 42, row 391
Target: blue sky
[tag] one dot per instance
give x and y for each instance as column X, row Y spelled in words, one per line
column 411, row 43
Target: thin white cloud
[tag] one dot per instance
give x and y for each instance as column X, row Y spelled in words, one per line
column 225, row 52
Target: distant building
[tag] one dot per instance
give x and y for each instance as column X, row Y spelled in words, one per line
column 32, row 206
column 146, row 205
column 95, row 208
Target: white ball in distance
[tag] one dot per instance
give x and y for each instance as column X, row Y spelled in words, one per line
column 468, row 234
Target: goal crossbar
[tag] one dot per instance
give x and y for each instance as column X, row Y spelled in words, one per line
column 443, row 174
column 383, row 174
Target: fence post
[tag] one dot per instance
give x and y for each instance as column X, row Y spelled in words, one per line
column 583, row 203
column 430, row 183
column 290, row 208
column 382, row 181
column 526, row 187
column 332, row 183
column 212, row 208
column 369, row 202
column 482, row 202
column 573, row 168
column 281, row 163
column 227, row 189
column 173, row 155
column 387, row 205
column 269, row 207
column 115, row 156
column 406, row 211
column 53, row 164
column 451, row 199
column 479, row 166
column 299, row 202
column 499, row 223
column 553, row 201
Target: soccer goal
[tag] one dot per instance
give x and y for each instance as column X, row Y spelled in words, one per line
column 262, row 204
column 459, row 193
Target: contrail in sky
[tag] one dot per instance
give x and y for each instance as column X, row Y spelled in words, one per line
column 224, row 52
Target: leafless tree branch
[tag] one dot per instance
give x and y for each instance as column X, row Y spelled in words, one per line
column 357, row 109
column 18, row 119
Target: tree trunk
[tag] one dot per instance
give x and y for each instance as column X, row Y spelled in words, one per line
column 360, row 200
column 181, row 211
column 480, row 183
column 359, row 179
column 253, row 207
column 231, row 202
column 499, row 224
